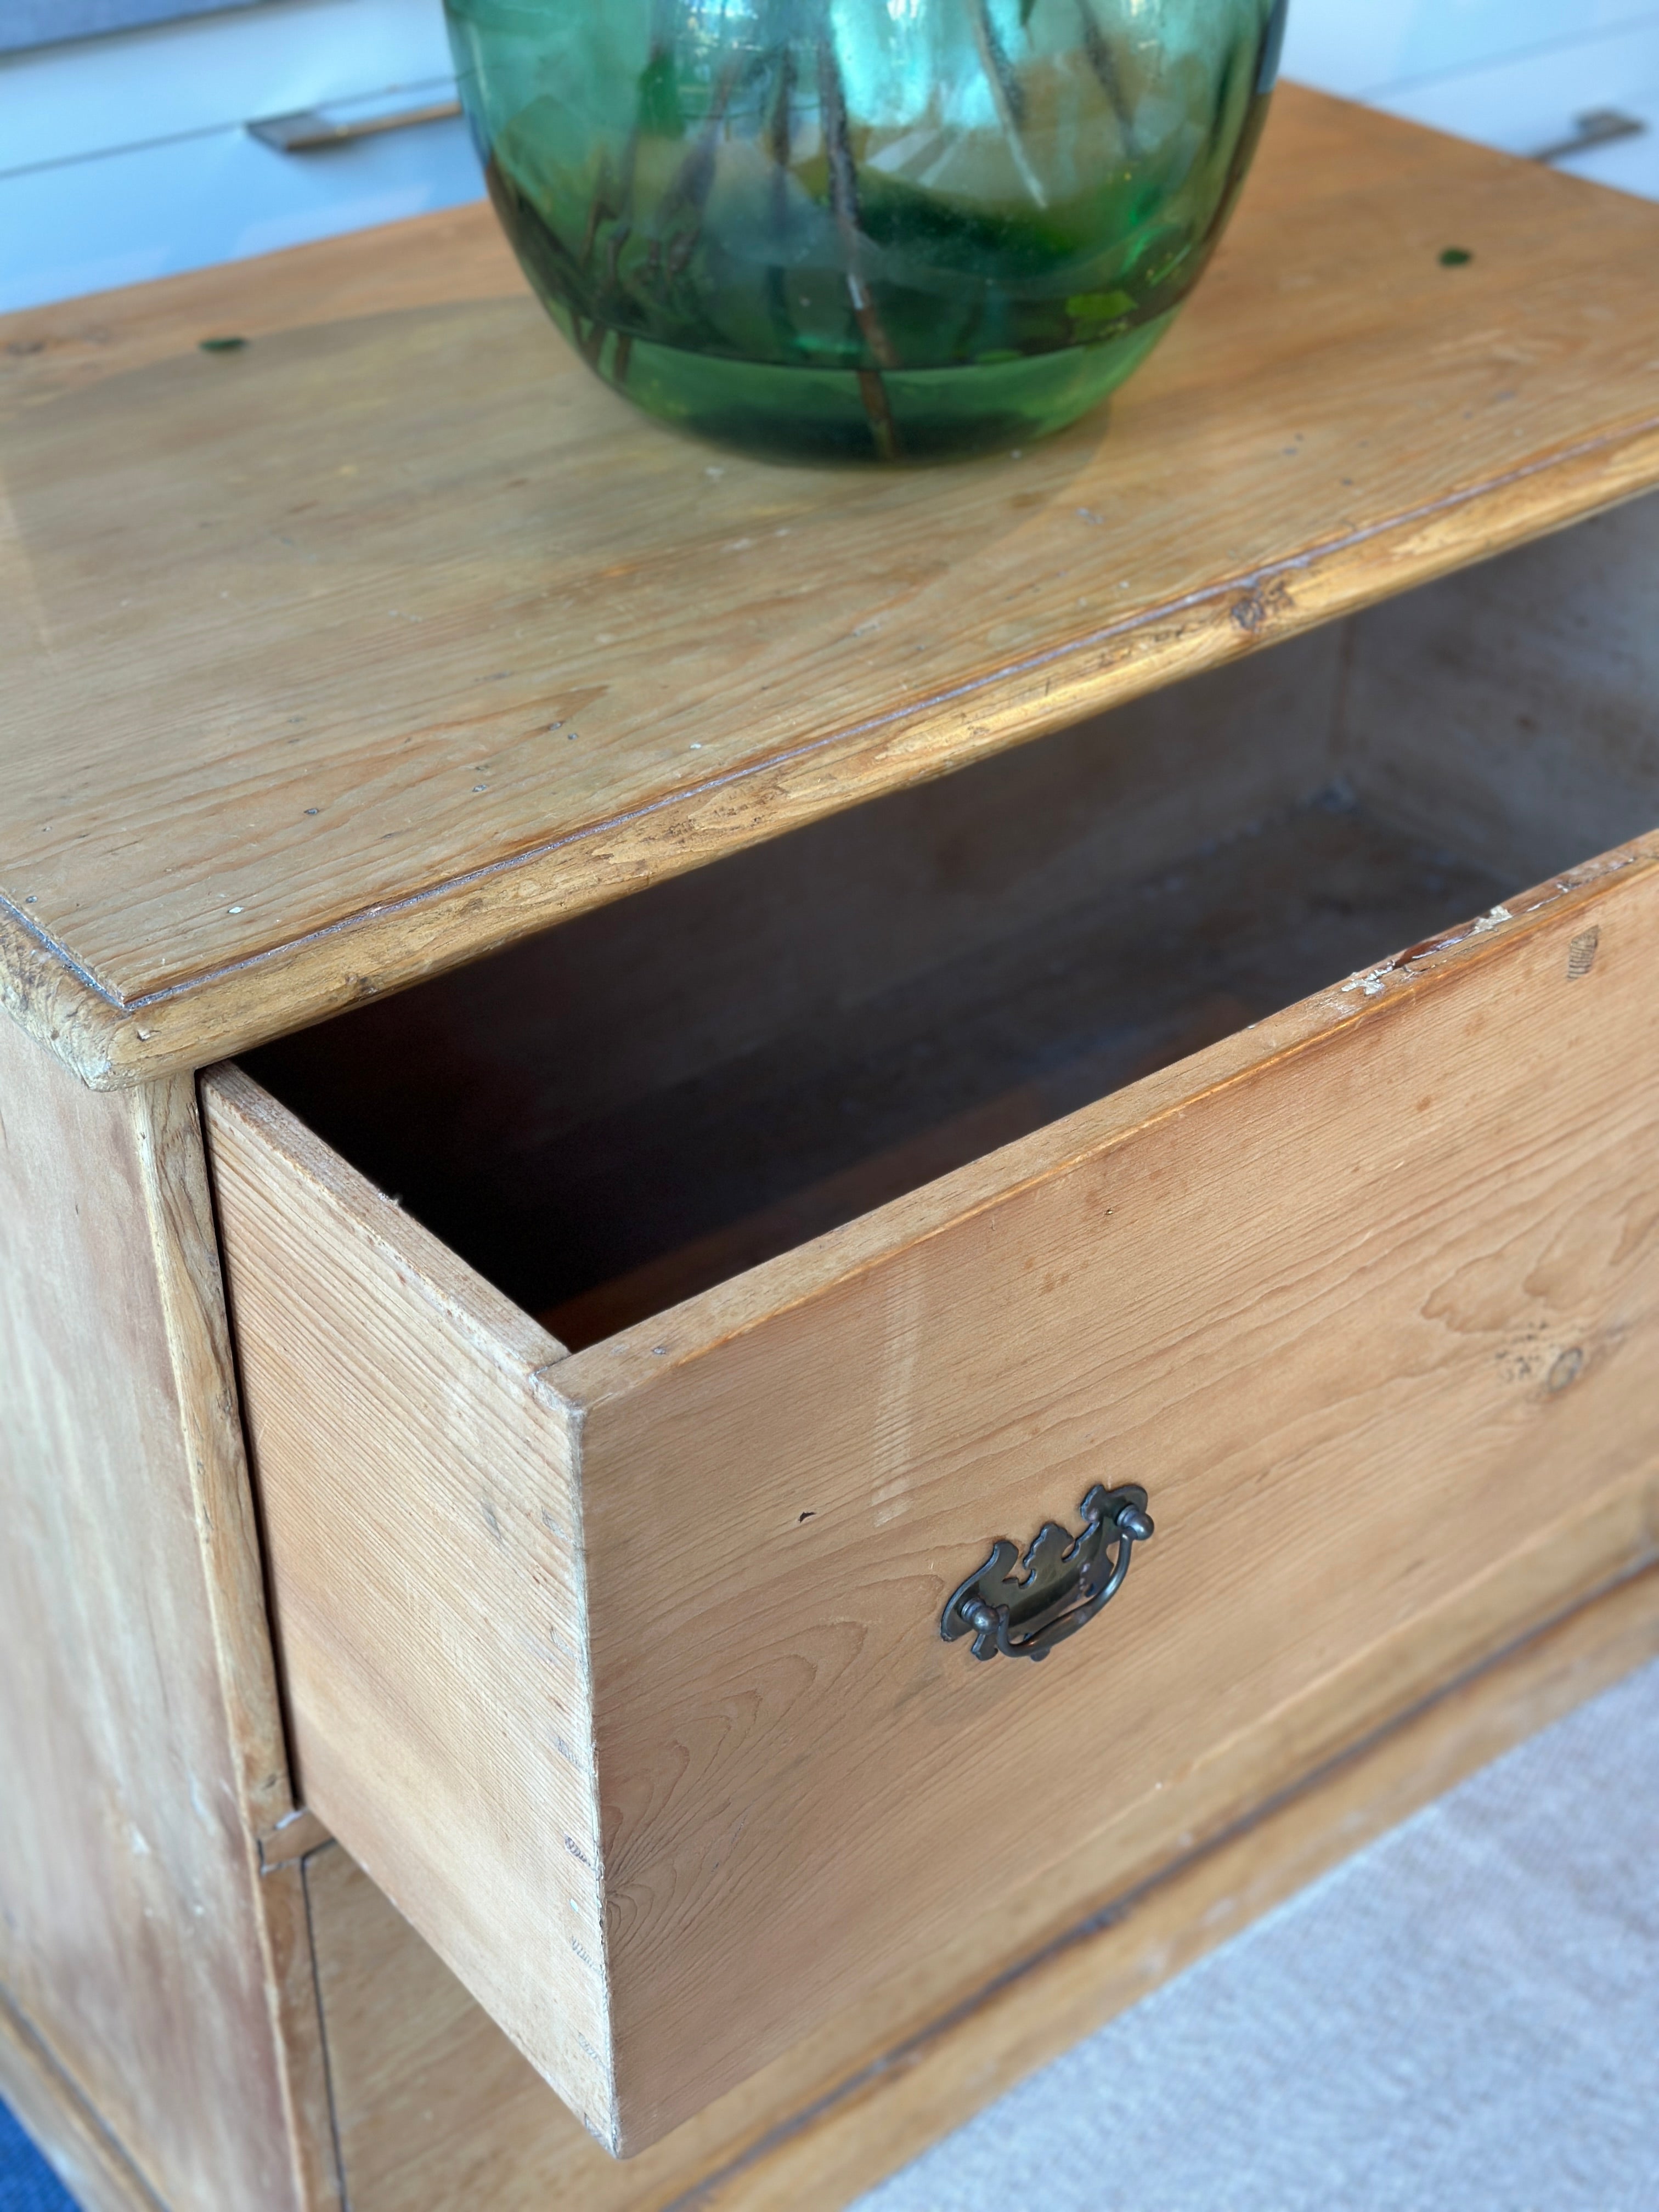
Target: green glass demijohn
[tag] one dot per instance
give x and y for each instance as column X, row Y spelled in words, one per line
column 884, row 229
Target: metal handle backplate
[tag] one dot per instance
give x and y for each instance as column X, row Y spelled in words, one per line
column 1023, row 1608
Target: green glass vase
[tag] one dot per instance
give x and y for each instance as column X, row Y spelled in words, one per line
column 882, row 229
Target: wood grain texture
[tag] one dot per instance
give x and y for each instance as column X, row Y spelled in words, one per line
column 429, row 1600
column 139, row 1732
column 350, row 656
column 1363, row 1295
column 165, row 1121
column 1509, row 711
column 1358, row 1297
column 776, row 1044
column 437, row 2112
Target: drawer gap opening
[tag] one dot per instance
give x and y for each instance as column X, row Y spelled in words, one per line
column 867, row 1103
column 653, row 1097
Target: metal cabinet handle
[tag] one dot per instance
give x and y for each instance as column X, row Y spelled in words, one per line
column 1066, row 1580
column 1601, row 126
column 309, row 133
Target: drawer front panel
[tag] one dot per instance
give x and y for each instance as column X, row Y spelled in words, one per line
column 1365, row 1298
column 1363, row 1320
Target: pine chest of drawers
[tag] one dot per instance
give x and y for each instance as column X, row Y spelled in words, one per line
column 641, row 1066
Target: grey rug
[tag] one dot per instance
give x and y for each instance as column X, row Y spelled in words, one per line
column 1464, row 2018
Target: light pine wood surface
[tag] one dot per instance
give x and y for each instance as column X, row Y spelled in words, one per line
column 157, row 1971
column 421, row 1388
column 1360, row 1299
column 1395, row 1298
column 1477, row 1283
column 1509, row 711
column 348, row 657
column 438, row 2113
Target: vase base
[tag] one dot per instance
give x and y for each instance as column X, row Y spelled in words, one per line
column 791, row 414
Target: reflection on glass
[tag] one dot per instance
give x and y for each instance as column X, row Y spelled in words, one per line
column 882, row 228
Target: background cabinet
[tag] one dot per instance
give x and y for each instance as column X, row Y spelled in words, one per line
column 127, row 155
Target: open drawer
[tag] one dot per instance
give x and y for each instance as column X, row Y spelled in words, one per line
column 762, row 1249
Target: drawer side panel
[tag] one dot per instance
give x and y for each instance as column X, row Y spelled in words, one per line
column 416, row 1481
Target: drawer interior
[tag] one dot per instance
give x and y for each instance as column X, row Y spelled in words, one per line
column 659, row 1094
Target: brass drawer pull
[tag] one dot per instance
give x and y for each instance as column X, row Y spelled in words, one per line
column 1061, row 1590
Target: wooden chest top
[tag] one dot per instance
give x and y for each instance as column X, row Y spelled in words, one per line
column 390, row 636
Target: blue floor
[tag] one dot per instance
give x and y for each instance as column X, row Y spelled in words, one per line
column 26, row 2182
